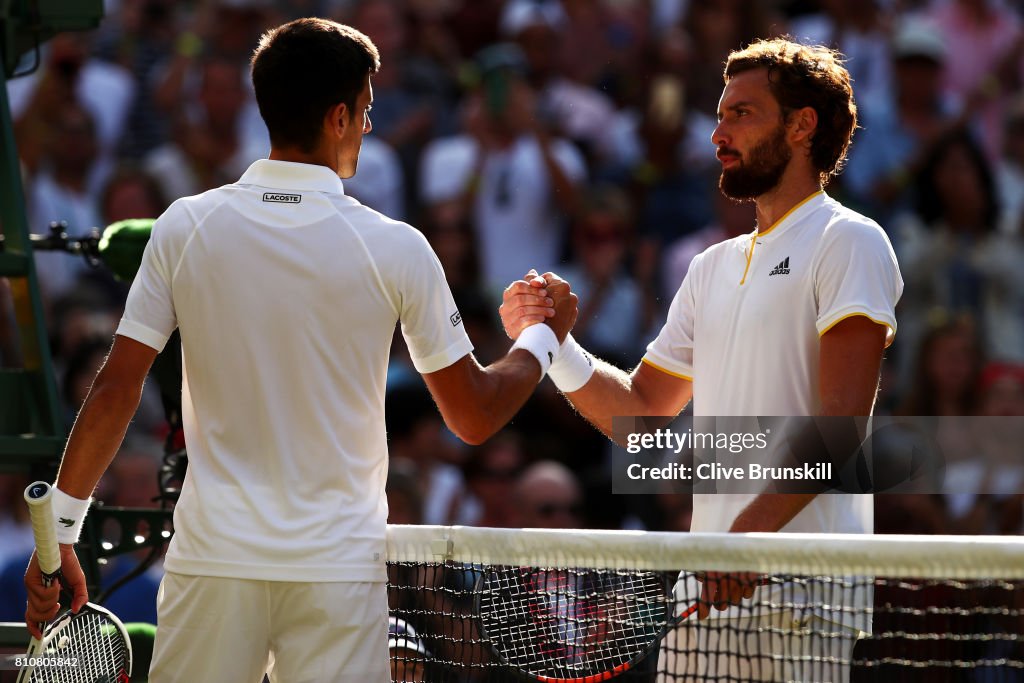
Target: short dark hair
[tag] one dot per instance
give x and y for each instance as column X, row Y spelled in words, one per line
column 807, row 76
column 303, row 68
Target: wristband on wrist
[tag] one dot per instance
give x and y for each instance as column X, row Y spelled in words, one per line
column 70, row 514
column 573, row 367
column 541, row 342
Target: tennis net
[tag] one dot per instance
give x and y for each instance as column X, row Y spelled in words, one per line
column 479, row 604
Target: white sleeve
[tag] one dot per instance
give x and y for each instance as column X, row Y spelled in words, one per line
column 570, row 160
column 857, row 274
column 149, row 315
column 445, row 169
column 431, row 324
column 672, row 350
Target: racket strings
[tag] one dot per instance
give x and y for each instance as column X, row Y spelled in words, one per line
column 565, row 622
column 90, row 648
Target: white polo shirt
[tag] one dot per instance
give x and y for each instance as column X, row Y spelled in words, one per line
column 287, row 293
column 745, row 326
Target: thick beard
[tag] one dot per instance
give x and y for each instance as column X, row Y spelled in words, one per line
column 762, row 172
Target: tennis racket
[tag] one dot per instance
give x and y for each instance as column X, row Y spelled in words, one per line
column 89, row 647
column 576, row 626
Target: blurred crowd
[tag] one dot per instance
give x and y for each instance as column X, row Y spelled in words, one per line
column 566, row 135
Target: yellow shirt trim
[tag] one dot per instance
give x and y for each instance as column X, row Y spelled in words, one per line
column 889, row 337
column 667, row 372
column 753, row 240
column 786, row 215
column 750, row 257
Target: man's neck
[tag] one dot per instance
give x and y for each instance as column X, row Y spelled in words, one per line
column 319, row 157
column 775, row 204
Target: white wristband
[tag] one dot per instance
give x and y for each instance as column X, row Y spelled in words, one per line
column 572, row 368
column 539, row 340
column 70, row 514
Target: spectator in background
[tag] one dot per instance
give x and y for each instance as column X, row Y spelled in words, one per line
column 661, row 105
column 946, row 365
column 491, row 475
column 513, row 180
column 405, row 504
column 69, row 74
column 139, row 37
column 417, row 436
column 210, row 149
column 62, row 191
column 378, row 182
column 412, row 96
column 225, row 30
column 451, row 235
column 1001, row 395
column 986, row 37
column 952, row 255
column 662, row 155
column 131, row 193
column 860, row 31
column 1010, row 170
column 549, row 496
column 615, row 306
column 984, row 480
column 902, row 128
column 571, row 109
column 603, row 45
column 717, row 27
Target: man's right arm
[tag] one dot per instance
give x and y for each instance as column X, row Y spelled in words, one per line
column 475, row 401
column 609, row 392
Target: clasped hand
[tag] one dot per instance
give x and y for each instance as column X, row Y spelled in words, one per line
column 537, row 299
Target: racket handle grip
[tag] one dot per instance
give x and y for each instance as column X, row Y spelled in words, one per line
column 39, row 497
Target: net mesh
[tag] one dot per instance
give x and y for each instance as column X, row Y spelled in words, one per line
column 513, row 605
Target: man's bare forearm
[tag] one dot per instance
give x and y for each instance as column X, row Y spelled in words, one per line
column 97, row 434
column 502, row 388
column 608, row 394
column 770, row 512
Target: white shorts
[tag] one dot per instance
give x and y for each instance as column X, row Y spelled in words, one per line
column 771, row 648
column 235, row 630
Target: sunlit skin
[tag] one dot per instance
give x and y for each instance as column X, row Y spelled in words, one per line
column 748, row 116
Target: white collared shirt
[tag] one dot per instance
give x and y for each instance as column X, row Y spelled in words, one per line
column 287, row 293
column 745, row 326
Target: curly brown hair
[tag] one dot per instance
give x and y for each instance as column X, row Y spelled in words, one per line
column 807, row 76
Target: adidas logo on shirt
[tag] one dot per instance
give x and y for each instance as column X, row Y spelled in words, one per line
column 781, row 269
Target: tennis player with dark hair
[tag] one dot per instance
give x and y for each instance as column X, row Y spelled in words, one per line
column 791, row 319
column 286, row 293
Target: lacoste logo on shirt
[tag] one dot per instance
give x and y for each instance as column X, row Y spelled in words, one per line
column 67, row 522
column 282, row 198
column 781, row 269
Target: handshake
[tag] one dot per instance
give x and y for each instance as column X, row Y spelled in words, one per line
column 536, row 299
column 547, row 300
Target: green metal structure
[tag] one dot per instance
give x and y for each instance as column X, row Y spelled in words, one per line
column 31, row 425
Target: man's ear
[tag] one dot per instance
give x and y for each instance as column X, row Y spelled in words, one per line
column 337, row 120
column 803, row 124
